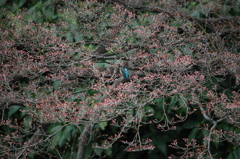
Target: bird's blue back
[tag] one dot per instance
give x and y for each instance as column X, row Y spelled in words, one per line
column 125, row 73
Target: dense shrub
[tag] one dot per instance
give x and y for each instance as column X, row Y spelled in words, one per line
column 62, row 94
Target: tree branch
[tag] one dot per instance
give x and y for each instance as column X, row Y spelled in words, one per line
column 82, row 140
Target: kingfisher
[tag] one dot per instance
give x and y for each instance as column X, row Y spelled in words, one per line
column 125, row 73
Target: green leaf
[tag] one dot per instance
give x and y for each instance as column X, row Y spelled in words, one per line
column 108, row 152
column 102, row 33
column 92, row 47
column 2, row 2
column 30, row 155
column 69, row 36
column 53, row 128
column 13, row 110
column 103, row 125
column 235, row 154
column 102, row 64
column 56, row 85
column 173, row 103
column 134, row 23
column 193, row 133
column 158, row 100
column 58, row 138
column 78, row 37
column 62, row 139
column 189, row 124
column 196, row 14
column 216, row 144
column 98, row 151
column 187, row 51
column 71, row 99
column 68, row 132
column 130, row 39
column 21, row 3
column 27, row 122
column 148, row 109
column 88, row 151
column 160, row 144
column 62, row 136
column 211, row 82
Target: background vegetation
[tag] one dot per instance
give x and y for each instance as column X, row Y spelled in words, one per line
column 62, row 95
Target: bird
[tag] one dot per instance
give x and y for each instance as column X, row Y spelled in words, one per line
column 125, row 73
